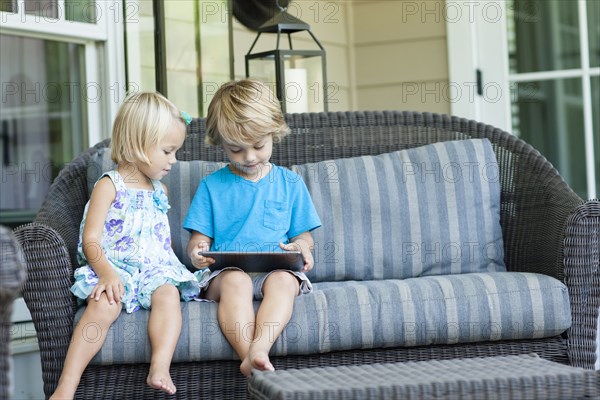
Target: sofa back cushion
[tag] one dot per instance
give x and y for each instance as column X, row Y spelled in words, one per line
column 430, row 210
column 182, row 183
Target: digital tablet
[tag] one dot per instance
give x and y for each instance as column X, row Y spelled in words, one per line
column 255, row 261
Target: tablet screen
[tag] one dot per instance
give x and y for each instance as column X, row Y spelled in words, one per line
column 255, row 261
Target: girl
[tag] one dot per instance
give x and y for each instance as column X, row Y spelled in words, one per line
column 125, row 243
column 250, row 204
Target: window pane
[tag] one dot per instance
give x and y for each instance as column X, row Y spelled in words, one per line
column 214, row 45
column 81, row 11
column 181, row 28
column 549, row 116
column 139, row 25
column 41, row 119
column 197, row 50
column 543, row 35
column 596, row 119
column 42, row 8
column 8, row 6
column 593, row 15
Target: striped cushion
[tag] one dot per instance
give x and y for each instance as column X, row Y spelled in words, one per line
column 182, row 182
column 373, row 314
column 431, row 210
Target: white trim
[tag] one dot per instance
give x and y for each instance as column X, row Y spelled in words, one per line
column 495, row 102
column 35, row 34
column 462, row 64
column 478, row 41
column 114, row 56
column 22, row 23
column 94, row 88
column 588, row 121
column 548, row 75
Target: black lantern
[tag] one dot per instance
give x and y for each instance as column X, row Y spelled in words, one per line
column 300, row 76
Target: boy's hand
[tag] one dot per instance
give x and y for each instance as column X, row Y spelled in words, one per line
column 304, row 249
column 198, row 261
column 109, row 282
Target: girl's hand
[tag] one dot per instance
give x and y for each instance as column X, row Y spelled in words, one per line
column 304, row 248
column 110, row 283
column 199, row 261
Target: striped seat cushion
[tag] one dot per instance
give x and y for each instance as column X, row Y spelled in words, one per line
column 430, row 210
column 372, row 314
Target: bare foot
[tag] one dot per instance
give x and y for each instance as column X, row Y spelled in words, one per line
column 161, row 380
column 258, row 360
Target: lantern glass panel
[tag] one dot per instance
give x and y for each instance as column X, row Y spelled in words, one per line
column 302, row 80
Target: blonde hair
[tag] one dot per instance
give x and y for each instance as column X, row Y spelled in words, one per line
column 141, row 122
column 244, row 112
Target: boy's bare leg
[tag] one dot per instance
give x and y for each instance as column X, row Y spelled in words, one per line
column 233, row 290
column 279, row 291
column 164, row 328
column 88, row 337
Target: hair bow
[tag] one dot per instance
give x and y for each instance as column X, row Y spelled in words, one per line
column 187, row 118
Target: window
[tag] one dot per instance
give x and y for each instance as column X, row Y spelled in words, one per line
column 56, row 93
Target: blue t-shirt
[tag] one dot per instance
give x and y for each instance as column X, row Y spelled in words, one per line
column 241, row 215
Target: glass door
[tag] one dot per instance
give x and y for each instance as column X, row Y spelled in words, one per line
column 553, row 58
column 541, row 60
column 42, row 119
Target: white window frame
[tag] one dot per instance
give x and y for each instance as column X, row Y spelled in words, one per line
column 478, row 41
column 104, row 55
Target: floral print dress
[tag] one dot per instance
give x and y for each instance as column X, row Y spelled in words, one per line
column 137, row 243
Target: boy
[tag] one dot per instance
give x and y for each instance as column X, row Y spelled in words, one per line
column 250, row 205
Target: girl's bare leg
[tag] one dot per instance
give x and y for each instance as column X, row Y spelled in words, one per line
column 164, row 328
column 88, row 337
column 279, row 291
column 233, row 290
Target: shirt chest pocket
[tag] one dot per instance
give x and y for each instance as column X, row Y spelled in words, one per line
column 276, row 215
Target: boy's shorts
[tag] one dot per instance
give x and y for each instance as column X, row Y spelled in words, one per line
column 258, row 280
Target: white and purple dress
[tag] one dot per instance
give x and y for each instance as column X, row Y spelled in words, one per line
column 137, row 242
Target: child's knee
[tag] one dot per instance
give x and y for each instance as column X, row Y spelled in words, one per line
column 166, row 292
column 282, row 280
column 236, row 280
column 104, row 309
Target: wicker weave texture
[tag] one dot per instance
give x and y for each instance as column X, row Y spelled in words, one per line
column 511, row 377
column 582, row 276
column 536, row 207
column 222, row 379
column 12, row 276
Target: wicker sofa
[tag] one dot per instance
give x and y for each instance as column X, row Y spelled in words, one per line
column 547, row 230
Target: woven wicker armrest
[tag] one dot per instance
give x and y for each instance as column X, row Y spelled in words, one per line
column 582, row 277
column 47, row 294
column 12, row 275
column 12, row 267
